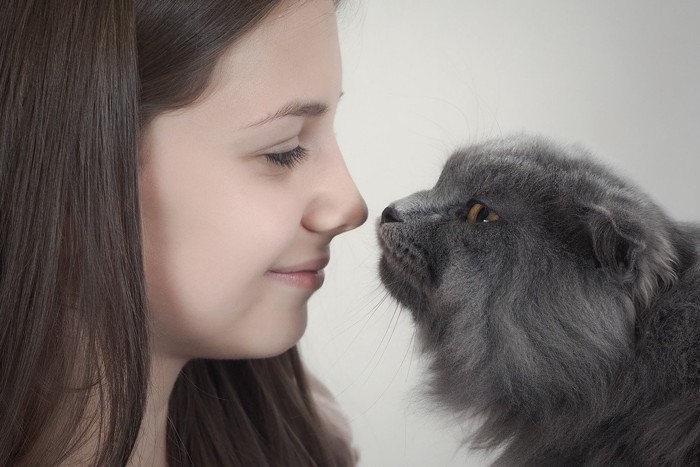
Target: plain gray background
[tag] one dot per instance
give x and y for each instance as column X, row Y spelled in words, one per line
column 422, row 77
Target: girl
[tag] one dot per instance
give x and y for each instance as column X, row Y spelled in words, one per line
column 170, row 183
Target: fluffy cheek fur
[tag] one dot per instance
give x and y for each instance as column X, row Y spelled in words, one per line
column 506, row 328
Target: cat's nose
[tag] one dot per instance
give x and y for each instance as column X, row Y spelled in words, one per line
column 390, row 214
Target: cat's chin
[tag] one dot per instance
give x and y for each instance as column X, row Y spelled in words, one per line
column 404, row 267
column 400, row 284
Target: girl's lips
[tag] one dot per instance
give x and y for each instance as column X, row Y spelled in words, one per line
column 310, row 280
column 308, row 275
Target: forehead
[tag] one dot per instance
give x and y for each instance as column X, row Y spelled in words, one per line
column 526, row 171
column 486, row 172
column 292, row 54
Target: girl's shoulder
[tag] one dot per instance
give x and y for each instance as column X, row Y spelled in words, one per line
column 331, row 412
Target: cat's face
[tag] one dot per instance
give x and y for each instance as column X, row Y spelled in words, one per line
column 522, row 268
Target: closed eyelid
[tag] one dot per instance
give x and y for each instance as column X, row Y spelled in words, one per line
column 283, row 146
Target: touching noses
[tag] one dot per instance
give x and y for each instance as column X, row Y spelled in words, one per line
column 390, row 214
column 338, row 206
column 404, row 209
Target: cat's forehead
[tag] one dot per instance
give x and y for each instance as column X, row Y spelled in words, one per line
column 524, row 168
column 519, row 161
column 493, row 172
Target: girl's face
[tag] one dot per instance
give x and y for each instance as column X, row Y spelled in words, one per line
column 242, row 192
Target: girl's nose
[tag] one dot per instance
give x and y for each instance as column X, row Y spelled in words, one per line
column 337, row 206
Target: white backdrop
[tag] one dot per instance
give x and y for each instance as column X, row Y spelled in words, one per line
column 422, row 77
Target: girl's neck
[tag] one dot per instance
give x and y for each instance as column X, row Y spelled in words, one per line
column 151, row 442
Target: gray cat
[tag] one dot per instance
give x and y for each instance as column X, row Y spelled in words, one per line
column 557, row 304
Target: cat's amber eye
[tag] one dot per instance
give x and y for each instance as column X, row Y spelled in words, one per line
column 480, row 213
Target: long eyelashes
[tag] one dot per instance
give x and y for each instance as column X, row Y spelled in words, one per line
column 288, row 159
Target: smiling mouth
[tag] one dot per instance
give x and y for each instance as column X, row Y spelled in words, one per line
column 310, row 280
column 309, row 275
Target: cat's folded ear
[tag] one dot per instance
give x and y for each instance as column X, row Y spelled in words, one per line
column 617, row 242
column 635, row 250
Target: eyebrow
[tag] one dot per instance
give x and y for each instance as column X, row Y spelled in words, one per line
column 295, row 109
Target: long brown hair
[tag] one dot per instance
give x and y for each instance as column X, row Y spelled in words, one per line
column 78, row 80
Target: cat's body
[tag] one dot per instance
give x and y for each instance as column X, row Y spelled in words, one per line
column 556, row 303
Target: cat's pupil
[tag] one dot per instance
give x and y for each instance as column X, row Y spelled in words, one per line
column 483, row 214
column 477, row 213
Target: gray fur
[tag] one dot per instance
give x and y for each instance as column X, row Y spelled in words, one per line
column 571, row 326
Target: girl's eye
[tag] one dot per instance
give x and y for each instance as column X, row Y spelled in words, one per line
column 288, row 159
column 479, row 213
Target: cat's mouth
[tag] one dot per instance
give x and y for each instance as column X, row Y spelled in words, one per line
column 404, row 267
